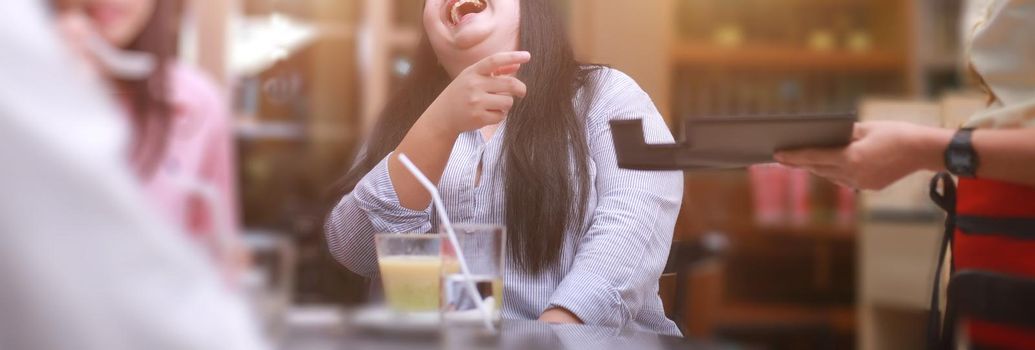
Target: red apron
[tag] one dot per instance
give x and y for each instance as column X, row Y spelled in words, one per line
column 995, row 232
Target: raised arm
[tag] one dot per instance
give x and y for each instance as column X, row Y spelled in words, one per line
column 477, row 97
column 388, row 198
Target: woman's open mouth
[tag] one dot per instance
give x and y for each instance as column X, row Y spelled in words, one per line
column 458, row 9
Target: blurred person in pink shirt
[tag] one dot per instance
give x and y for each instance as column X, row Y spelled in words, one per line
column 85, row 264
column 181, row 141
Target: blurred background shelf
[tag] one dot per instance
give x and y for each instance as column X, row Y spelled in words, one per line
column 830, row 231
column 758, row 56
column 248, row 129
column 755, row 315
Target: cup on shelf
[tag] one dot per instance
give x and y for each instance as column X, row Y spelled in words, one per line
column 769, row 190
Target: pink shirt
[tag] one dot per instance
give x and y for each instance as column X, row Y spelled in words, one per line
column 200, row 151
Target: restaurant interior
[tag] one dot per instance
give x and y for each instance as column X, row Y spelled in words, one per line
column 767, row 257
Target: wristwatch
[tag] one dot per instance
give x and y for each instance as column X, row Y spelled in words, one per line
column 960, row 158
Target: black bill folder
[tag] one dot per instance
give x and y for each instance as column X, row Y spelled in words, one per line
column 729, row 142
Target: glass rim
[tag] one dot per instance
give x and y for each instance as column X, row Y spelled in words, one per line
column 476, row 226
column 413, row 236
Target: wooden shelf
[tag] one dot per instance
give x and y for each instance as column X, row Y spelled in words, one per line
column 742, row 314
column 251, row 129
column 810, row 230
column 775, row 57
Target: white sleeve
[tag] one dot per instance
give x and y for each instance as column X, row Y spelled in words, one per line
column 83, row 264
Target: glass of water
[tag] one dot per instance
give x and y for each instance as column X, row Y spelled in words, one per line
column 483, row 248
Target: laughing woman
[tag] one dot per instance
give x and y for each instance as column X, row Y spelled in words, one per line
column 521, row 139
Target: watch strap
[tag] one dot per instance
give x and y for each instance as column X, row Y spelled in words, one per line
column 960, row 157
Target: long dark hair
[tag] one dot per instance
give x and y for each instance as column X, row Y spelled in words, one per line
column 150, row 99
column 545, row 154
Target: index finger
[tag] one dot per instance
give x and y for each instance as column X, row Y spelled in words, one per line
column 491, row 64
column 811, row 157
column 860, row 130
column 509, row 70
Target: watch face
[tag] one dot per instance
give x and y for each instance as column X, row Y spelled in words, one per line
column 961, row 163
column 961, row 158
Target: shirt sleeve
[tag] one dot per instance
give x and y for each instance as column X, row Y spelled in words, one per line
column 372, row 207
column 623, row 253
column 1021, row 115
column 218, row 166
column 1001, row 48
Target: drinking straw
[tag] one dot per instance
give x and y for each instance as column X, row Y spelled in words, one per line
column 472, row 290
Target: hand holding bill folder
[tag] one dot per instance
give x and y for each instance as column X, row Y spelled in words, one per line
column 729, row 142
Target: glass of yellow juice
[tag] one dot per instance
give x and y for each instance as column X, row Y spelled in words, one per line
column 484, row 248
column 410, row 265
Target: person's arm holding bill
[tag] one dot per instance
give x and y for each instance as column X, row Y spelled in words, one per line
column 881, row 153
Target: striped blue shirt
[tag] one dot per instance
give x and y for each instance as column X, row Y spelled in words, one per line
column 609, row 266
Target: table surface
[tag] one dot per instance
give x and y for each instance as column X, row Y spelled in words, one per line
column 512, row 334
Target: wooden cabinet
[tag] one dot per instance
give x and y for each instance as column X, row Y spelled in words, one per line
column 896, row 269
column 632, row 36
